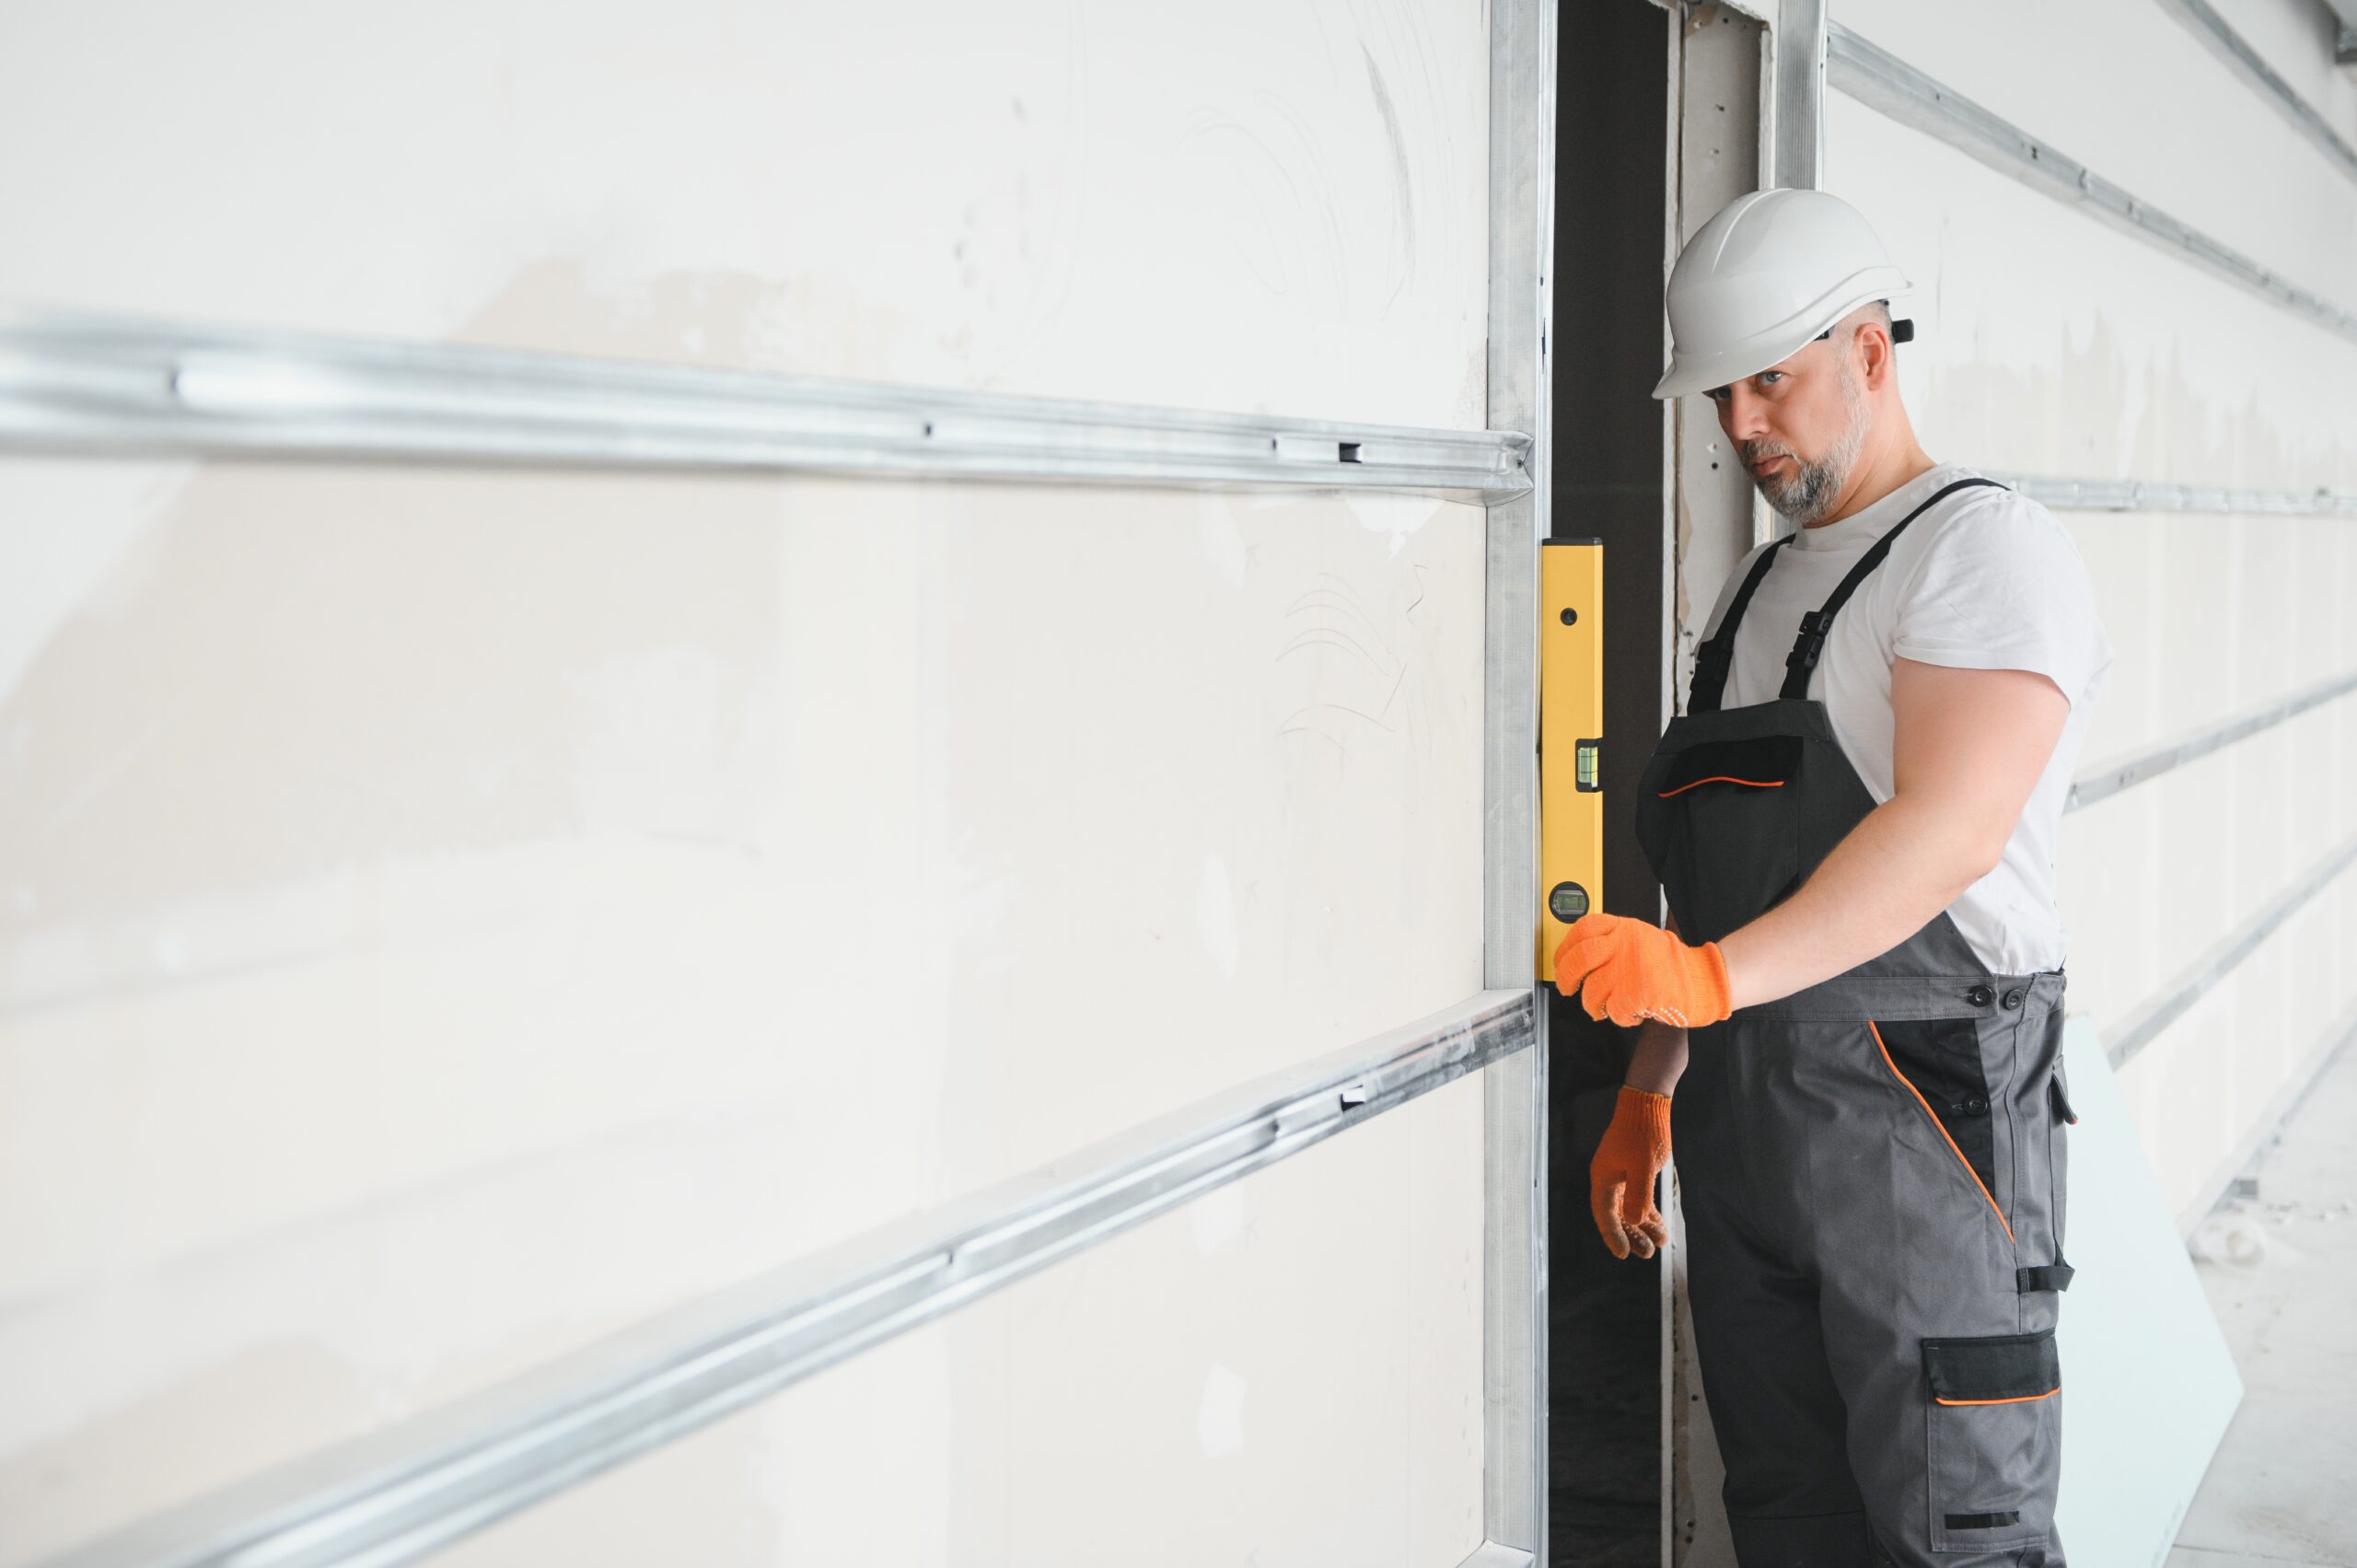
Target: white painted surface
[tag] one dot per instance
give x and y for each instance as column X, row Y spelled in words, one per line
column 1232, row 206
column 2053, row 344
column 446, row 915
column 449, row 915
column 1311, row 1396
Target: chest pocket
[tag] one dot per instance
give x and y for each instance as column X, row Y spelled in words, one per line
column 1723, row 833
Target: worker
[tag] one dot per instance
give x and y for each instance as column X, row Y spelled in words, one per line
column 1853, row 1022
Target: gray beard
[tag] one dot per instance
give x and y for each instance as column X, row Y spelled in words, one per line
column 1809, row 493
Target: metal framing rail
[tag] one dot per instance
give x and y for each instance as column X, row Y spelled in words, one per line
column 394, row 1497
column 1885, row 82
column 2202, row 20
column 2146, row 1024
column 2145, row 496
column 80, row 383
column 2105, row 780
column 1514, row 1288
column 1797, row 46
column 84, row 384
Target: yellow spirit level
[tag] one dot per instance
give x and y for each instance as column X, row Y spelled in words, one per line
column 1571, row 731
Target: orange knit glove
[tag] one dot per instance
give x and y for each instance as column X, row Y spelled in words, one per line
column 1631, row 970
column 1620, row 1177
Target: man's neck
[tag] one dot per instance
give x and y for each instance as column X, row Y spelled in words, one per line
column 1877, row 474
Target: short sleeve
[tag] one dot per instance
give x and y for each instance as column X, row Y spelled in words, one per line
column 2003, row 587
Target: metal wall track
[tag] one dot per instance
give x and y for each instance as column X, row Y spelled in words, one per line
column 2147, row 495
column 2107, row 779
column 1521, row 213
column 2204, row 22
column 75, row 383
column 2145, row 1025
column 406, row 1492
column 1884, row 82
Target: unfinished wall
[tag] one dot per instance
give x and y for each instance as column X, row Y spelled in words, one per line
column 447, row 914
column 2054, row 345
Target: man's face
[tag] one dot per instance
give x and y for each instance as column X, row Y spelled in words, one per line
column 1797, row 427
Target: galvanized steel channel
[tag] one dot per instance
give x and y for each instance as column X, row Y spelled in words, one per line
column 79, row 383
column 409, row 1491
column 2202, row 20
column 2105, row 780
column 1884, row 82
column 2145, row 496
column 1514, row 1288
column 1796, row 132
column 2146, row 1023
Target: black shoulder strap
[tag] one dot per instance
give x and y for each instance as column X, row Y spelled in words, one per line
column 1716, row 655
column 1802, row 661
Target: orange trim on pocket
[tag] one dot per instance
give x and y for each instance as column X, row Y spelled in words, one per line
column 2017, row 1400
column 1876, row 1029
column 1724, row 778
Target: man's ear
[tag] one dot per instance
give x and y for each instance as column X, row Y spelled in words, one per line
column 1877, row 360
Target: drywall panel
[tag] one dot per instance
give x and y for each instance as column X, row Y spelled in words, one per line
column 446, row 915
column 2298, row 39
column 2120, row 86
column 2199, row 1092
column 1287, row 1372
column 1279, row 207
column 2051, row 344
column 2148, row 1384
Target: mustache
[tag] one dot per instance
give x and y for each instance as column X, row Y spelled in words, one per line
column 1753, row 451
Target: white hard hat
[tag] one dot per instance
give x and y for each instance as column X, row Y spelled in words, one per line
column 1770, row 271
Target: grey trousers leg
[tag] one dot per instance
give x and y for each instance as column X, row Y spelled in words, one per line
column 1881, row 1382
column 1791, row 1499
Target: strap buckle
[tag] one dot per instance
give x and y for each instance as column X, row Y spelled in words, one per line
column 1810, row 643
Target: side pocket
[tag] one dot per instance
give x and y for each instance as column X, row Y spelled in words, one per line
column 1937, row 1060
column 2058, row 1149
column 1994, row 1438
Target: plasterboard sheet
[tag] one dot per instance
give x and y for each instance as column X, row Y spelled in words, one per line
column 446, row 915
column 2148, row 1384
column 1278, row 207
column 1285, row 1372
column 2123, row 88
column 2050, row 342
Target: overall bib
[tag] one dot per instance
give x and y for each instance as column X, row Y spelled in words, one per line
column 1871, row 1169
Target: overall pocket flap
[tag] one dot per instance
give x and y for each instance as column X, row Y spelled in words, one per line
column 2060, row 1096
column 1995, row 1369
column 1765, row 761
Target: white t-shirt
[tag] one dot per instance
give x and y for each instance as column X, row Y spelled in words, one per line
column 1984, row 580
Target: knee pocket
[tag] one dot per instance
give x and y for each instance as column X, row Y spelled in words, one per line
column 1993, row 1439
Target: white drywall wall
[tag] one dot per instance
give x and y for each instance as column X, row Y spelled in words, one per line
column 447, row 914
column 1279, row 1374
column 1227, row 205
column 2053, row 344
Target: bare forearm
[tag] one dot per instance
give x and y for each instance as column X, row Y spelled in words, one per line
column 1659, row 1059
column 1900, row 867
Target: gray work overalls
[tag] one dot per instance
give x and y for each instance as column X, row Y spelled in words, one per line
column 1872, row 1171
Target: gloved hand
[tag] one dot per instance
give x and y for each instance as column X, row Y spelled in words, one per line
column 1620, row 1177
column 1631, row 970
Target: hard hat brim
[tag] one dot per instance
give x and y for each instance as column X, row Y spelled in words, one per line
column 1705, row 372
